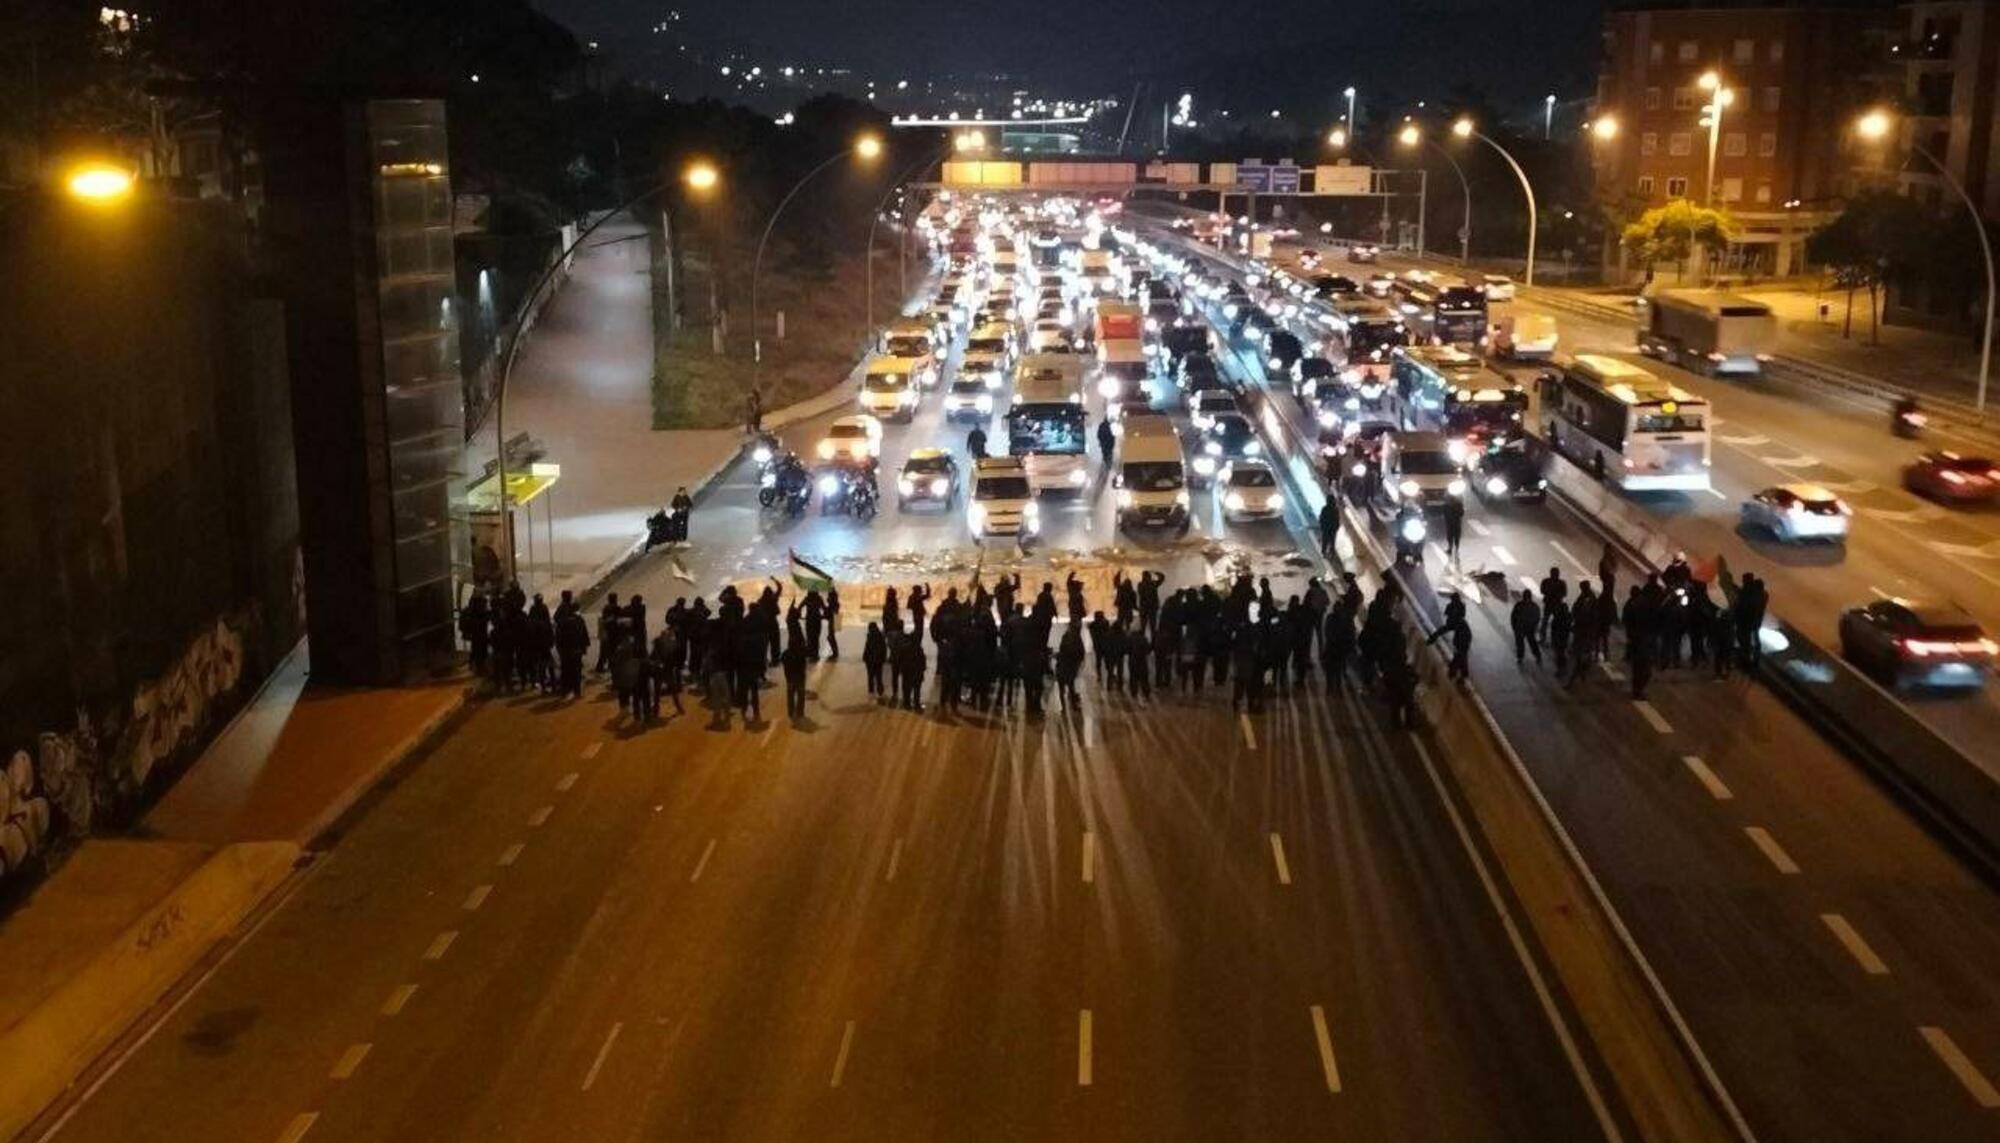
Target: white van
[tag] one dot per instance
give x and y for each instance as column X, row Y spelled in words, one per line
column 1417, row 468
column 1152, row 474
column 888, row 388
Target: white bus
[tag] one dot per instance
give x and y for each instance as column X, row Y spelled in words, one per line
column 1626, row 426
column 1045, row 422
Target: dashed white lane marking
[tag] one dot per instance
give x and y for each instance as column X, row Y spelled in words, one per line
column 1528, row 582
column 706, row 851
column 440, row 945
column 1708, row 778
column 1581, row 568
column 1504, row 556
column 1083, row 1060
column 1977, row 1085
column 591, row 750
column 297, row 1128
column 398, row 1000
column 477, row 897
column 511, row 854
column 1611, row 671
column 1327, row 1065
column 1479, row 529
column 1278, row 858
column 1249, row 736
column 895, row 859
column 1089, row 857
column 1856, row 947
column 1762, row 839
column 349, row 1061
column 540, row 817
column 840, row 1060
column 596, row 1065
column 1718, row 493
column 564, row 783
column 1652, row 716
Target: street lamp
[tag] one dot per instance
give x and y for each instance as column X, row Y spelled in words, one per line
column 99, row 183
column 1410, row 136
column 957, row 143
column 1719, row 98
column 1351, row 121
column 868, row 147
column 1548, row 115
column 701, row 177
column 1466, row 129
column 1337, row 137
column 1875, row 126
column 1604, row 128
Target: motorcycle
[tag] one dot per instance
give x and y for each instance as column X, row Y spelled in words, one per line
column 864, row 500
column 1411, row 530
column 796, row 498
column 659, row 530
column 1908, row 423
column 781, row 481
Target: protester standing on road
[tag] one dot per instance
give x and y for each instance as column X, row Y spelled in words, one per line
column 1554, row 591
column 910, row 665
column 1337, row 643
column 874, row 652
column 833, row 624
column 1138, row 663
column 1107, row 440
column 1460, row 633
column 608, row 619
column 1069, row 660
column 667, row 652
column 474, row 626
column 572, row 642
column 1100, row 643
column 680, row 510
column 793, row 659
column 1527, row 624
column 1607, row 572
column 814, row 609
column 1585, row 637
column 1560, row 621
column 1329, row 531
column 1751, row 601
column 1454, row 527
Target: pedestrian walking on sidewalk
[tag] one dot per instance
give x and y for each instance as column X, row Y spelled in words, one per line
column 753, row 412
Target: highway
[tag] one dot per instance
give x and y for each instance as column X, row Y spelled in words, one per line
column 1132, row 921
column 1823, row 945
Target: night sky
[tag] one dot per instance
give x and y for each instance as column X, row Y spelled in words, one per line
column 1294, row 52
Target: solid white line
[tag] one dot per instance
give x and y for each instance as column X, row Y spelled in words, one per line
column 1718, row 493
column 591, row 750
column 1573, row 561
column 840, row 1061
column 1856, row 947
column 1278, row 857
column 440, row 945
column 1947, row 1049
column 703, row 863
column 765, row 740
column 536, row 819
column 1249, row 737
column 1083, row 1064
column 349, row 1061
column 297, row 1128
column 895, row 859
column 1089, row 857
column 477, row 897
column 565, row 782
column 1504, row 556
column 511, row 854
column 1325, row 1041
column 398, row 999
column 1707, row 778
column 1762, row 838
column 590, row 1077
column 1528, row 964
column 1479, row 529
column 1653, row 717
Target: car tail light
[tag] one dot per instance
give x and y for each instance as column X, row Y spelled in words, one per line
column 1950, row 477
column 1925, row 647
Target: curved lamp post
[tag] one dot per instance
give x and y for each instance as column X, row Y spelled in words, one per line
column 701, row 178
column 868, row 147
column 929, row 157
column 1465, row 130
column 1410, row 136
column 1875, row 126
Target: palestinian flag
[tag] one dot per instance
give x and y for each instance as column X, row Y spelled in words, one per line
column 809, row 577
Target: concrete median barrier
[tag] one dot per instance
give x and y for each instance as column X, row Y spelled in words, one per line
column 169, row 903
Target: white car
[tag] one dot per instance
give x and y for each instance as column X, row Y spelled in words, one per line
column 854, row 438
column 1204, row 405
column 1050, row 336
column 1248, row 490
column 1499, row 287
column 1002, row 503
column 1794, row 512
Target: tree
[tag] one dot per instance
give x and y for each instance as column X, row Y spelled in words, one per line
column 1671, row 232
column 1877, row 237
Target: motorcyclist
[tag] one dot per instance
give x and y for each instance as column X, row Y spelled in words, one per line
column 1907, row 416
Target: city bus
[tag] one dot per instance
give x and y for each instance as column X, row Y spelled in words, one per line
column 1045, row 421
column 1446, row 390
column 1367, row 333
column 1626, row 426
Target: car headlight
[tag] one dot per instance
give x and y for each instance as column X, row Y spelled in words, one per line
column 1456, row 487
column 1181, row 498
column 762, row 455
column 1371, row 392
column 906, row 486
column 1233, row 502
column 1274, row 501
column 983, row 402
column 1327, row 419
column 1077, row 477
column 1495, row 486
column 1252, row 448
column 1205, row 465
column 1254, row 334
column 1229, row 311
column 1352, row 403
column 1108, row 388
column 1275, row 363
column 1124, row 498
column 1359, row 469
column 976, row 515
column 1152, row 325
column 1408, row 488
column 1455, row 449
column 826, row 450
column 768, row 480
column 1350, row 375
column 828, row 485
column 1212, row 448
column 1032, row 509
column 939, row 485
column 1413, row 530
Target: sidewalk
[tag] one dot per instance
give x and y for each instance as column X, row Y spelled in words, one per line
column 95, row 947
column 1924, row 360
column 583, row 387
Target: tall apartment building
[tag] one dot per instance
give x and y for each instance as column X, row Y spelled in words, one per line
column 1794, row 74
